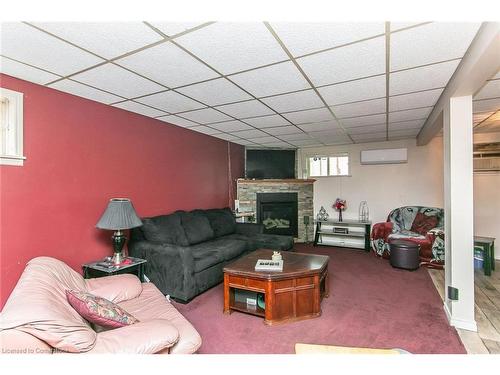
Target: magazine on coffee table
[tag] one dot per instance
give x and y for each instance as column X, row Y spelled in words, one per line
column 269, row 265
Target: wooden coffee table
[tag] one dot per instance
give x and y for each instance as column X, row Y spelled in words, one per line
column 292, row 294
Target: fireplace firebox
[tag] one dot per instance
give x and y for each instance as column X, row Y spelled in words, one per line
column 278, row 212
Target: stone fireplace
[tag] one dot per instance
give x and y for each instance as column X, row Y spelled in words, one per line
column 282, row 206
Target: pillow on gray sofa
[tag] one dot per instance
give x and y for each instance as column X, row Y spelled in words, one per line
column 165, row 229
column 221, row 220
column 197, row 227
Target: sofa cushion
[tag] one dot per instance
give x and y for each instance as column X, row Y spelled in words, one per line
column 197, row 227
column 271, row 241
column 209, row 253
column 165, row 229
column 423, row 223
column 221, row 220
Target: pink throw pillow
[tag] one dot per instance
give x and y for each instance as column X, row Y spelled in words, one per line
column 99, row 310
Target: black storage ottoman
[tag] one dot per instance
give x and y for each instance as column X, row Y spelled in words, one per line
column 404, row 254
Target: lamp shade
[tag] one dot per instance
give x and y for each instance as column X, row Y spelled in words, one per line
column 119, row 214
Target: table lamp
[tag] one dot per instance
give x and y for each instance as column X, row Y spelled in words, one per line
column 119, row 215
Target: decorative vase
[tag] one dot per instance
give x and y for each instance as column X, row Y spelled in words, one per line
column 340, row 215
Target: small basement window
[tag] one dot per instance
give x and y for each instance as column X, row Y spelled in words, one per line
column 11, row 127
column 333, row 165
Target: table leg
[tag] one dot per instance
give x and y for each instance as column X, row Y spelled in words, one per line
column 227, row 310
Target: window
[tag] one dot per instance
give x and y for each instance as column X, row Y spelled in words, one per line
column 11, row 127
column 335, row 165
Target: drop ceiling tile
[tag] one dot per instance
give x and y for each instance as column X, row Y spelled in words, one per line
column 416, row 100
column 403, row 133
column 331, row 138
column 295, row 101
column 87, row 92
column 139, row 108
column 26, row 72
column 267, row 121
column 294, row 137
column 412, row 114
column 179, row 121
column 215, row 92
column 486, row 105
column 309, row 116
column 170, row 101
column 244, row 142
column 248, row 134
column 31, row 46
column 329, row 133
column 204, row 129
column 363, row 120
column 405, row 125
column 353, row 91
column 423, row 78
column 490, row 90
column 106, row 39
column 369, row 137
column 368, row 107
column 174, row 28
column 338, row 141
column 226, row 137
column 279, row 145
column 437, row 41
column 401, row 25
column 206, row 116
column 280, row 130
column 265, row 140
column 118, row 81
column 168, row 65
column 305, row 37
column 321, row 126
column 307, row 143
column 231, row 126
column 233, row 47
column 271, row 80
column 367, row 129
column 250, row 108
column 345, row 63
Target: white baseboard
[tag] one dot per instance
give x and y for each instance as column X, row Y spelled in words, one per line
column 469, row 325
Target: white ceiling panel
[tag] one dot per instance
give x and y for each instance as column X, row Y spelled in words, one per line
column 328, row 134
column 265, row 140
column 206, row 116
column 226, row 137
column 295, row 101
column 306, row 143
column 283, row 130
column 139, row 108
column 174, row 28
column 168, row 65
column 84, row 91
column 233, row 47
column 368, row 107
column 215, row 92
column 247, row 134
column 367, row 129
column 321, row 126
column 403, row 133
column 362, row 89
column 204, row 129
column 267, row 121
column 369, row 137
column 486, row 105
column 118, row 81
column 363, row 120
column 106, row 39
column 412, row 114
column 405, row 125
column 29, row 45
column 423, row 78
column 179, row 121
column 415, row 100
column 245, row 142
column 490, row 90
column 250, row 108
column 437, row 41
column 279, row 144
column 231, row 126
column 170, row 101
column 305, row 37
column 309, row 116
column 26, row 72
column 337, row 141
column 294, row 137
column 342, row 64
column 401, row 25
column 271, row 80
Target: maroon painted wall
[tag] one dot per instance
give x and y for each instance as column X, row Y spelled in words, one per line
column 80, row 154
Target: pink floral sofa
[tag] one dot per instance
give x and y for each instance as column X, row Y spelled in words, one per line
column 422, row 225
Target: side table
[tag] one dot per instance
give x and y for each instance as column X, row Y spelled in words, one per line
column 488, row 245
column 105, row 267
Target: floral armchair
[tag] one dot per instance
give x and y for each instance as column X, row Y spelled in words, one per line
column 422, row 225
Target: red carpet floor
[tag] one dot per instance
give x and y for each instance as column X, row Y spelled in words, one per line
column 371, row 305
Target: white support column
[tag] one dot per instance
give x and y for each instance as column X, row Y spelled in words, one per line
column 459, row 208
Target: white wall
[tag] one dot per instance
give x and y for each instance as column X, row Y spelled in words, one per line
column 386, row 186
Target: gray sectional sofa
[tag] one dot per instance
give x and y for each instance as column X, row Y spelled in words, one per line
column 186, row 251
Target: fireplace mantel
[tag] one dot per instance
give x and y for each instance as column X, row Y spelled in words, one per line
column 277, row 181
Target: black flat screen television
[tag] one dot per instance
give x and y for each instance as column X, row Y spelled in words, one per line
column 267, row 164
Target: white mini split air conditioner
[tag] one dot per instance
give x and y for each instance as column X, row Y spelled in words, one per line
column 385, row 156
